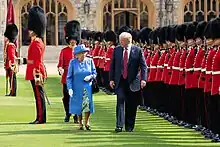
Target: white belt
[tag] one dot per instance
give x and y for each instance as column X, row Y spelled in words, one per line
column 168, row 67
column 181, row 69
column 165, row 64
column 160, row 66
column 189, row 69
column 215, row 72
column 108, row 59
column 96, row 57
column 153, row 67
column 203, row 69
column 177, row 68
column 148, row 66
column 197, row 69
column 208, row 72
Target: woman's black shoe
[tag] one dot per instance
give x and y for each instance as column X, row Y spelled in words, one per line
column 88, row 128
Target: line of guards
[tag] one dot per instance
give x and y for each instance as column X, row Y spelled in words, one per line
column 183, row 72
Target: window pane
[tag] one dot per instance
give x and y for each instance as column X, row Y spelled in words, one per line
column 51, row 31
column 116, row 4
column 62, row 20
column 191, row 6
column 197, row 5
column 188, row 17
column 199, row 17
column 143, row 20
column 202, row 5
column 107, row 22
column 128, row 3
column 53, row 6
column 213, row 5
column 208, row 5
column 24, row 27
column 41, row 3
column 121, row 3
column 47, row 6
column 134, row 5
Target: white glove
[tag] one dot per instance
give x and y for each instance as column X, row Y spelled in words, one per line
column 70, row 92
column 88, row 78
column 61, row 71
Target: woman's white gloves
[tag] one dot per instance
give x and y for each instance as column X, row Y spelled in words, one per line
column 70, row 92
column 88, row 78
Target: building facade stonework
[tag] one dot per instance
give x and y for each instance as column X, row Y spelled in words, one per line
column 103, row 14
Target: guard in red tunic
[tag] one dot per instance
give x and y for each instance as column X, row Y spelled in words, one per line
column 101, row 63
column 110, row 38
column 10, row 62
column 36, row 72
column 72, row 36
column 215, row 85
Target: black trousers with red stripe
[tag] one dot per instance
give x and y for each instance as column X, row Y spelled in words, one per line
column 66, row 99
column 40, row 102
column 12, row 82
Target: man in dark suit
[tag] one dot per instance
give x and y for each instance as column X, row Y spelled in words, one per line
column 127, row 67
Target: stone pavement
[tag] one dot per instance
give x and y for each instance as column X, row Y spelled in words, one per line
column 51, row 69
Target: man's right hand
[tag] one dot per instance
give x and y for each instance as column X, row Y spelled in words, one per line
column 112, row 84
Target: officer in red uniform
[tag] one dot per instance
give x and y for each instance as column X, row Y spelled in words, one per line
column 36, row 72
column 10, row 62
column 101, row 63
column 110, row 38
column 215, row 86
column 72, row 36
column 191, row 97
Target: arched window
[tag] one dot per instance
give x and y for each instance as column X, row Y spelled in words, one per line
column 56, row 13
column 200, row 10
column 133, row 13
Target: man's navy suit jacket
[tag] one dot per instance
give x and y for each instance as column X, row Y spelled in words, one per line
column 136, row 64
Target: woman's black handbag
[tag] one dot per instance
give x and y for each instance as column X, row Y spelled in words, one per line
column 95, row 87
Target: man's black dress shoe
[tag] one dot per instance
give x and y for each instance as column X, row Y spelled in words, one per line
column 67, row 118
column 88, row 128
column 37, row 122
column 118, row 130
column 129, row 130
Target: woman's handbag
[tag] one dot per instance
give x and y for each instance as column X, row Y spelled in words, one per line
column 95, row 87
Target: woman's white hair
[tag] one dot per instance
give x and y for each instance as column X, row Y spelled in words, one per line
column 126, row 35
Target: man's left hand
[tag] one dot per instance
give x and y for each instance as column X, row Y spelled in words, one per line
column 143, row 84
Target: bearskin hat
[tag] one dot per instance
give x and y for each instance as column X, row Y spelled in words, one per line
column 98, row 36
column 156, row 38
column 151, row 37
column 37, row 21
column 135, row 34
column 200, row 29
column 191, row 30
column 215, row 28
column 110, row 36
column 207, row 31
column 181, row 31
column 162, row 34
column 124, row 29
column 84, row 34
column 144, row 34
column 11, row 32
column 73, row 31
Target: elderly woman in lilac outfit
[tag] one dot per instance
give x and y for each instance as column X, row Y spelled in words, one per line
column 81, row 72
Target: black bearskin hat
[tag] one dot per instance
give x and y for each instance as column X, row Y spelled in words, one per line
column 11, row 32
column 37, row 21
column 124, row 29
column 135, row 34
column 171, row 33
column 84, row 34
column 98, row 36
column 200, row 29
column 181, row 31
column 110, row 36
column 144, row 34
column 191, row 30
column 73, row 31
column 207, row 31
column 162, row 35
column 215, row 28
column 156, row 38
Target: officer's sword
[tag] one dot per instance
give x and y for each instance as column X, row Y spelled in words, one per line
column 45, row 94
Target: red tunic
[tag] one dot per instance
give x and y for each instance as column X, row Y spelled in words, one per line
column 101, row 61
column 189, row 68
column 66, row 54
column 175, row 69
column 165, row 70
column 182, row 66
column 153, row 67
column 108, row 58
column 169, row 68
column 148, row 61
column 197, row 67
column 10, row 55
column 216, row 74
column 95, row 55
column 160, row 67
column 201, row 82
column 208, row 75
column 35, row 59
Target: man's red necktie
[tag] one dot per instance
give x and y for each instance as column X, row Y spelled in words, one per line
column 125, row 64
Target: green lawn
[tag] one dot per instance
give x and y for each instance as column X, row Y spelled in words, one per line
column 15, row 113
